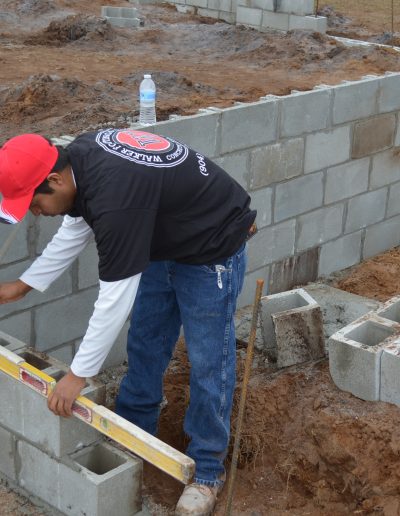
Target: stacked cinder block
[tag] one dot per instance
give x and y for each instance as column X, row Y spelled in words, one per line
column 64, row 462
column 280, row 15
column 292, row 328
column 120, row 16
column 364, row 357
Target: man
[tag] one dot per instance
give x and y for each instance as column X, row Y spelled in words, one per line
column 170, row 228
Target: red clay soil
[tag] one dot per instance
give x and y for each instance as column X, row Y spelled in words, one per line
column 65, row 70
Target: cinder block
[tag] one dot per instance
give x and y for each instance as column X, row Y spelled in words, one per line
column 298, row 196
column 7, row 454
column 64, row 353
column 276, row 21
column 197, row 3
column 276, row 162
column 19, row 249
column 319, row 226
column 118, row 12
column 381, row 237
column 314, row 23
column 393, row 201
column 355, row 100
column 11, row 343
column 97, row 481
column 301, row 7
column 305, row 112
column 327, row 148
column 347, row 180
column 123, row 22
column 271, row 244
column 69, row 317
column 355, row 355
column 228, row 17
column 10, row 403
column 266, row 5
column 220, row 5
column 198, row 131
column 38, row 473
column 294, row 270
column 373, row 135
column 385, row 169
column 397, row 140
column 261, row 200
column 340, row 254
column 237, row 166
column 366, row 209
column 389, row 99
column 101, row 480
column 390, row 309
column 390, row 373
column 248, row 125
column 292, row 328
column 18, row 325
column 248, row 16
column 208, row 13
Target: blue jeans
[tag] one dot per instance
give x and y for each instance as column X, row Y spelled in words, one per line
column 202, row 298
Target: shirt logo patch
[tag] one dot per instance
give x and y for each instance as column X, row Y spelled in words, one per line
column 143, row 148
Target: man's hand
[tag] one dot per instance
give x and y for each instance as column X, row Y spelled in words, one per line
column 13, row 291
column 65, row 393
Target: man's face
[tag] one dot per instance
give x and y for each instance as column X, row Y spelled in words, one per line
column 60, row 202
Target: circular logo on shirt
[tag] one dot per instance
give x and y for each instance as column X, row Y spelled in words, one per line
column 143, row 148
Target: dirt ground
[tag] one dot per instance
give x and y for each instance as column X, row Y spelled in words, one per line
column 65, row 70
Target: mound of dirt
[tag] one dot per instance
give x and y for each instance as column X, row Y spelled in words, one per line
column 73, row 28
column 376, row 278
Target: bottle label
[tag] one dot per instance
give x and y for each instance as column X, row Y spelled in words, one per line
column 147, row 95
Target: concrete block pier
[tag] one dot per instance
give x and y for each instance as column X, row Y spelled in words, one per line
column 292, row 328
column 364, row 356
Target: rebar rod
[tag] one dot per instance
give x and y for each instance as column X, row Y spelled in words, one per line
column 249, row 360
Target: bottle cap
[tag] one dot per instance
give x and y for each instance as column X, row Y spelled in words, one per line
column 147, row 76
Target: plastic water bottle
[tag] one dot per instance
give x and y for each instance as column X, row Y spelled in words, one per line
column 147, row 92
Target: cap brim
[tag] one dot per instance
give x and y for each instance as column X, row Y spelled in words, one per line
column 13, row 211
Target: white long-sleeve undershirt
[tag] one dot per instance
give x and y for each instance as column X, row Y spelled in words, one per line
column 113, row 304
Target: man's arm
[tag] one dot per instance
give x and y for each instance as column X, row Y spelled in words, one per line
column 111, row 311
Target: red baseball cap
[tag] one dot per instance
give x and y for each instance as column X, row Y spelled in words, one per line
column 25, row 162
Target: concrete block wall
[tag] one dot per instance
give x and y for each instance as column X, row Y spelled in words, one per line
column 326, row 193
column 364, row 356
column 282, row 15
column 64, row 462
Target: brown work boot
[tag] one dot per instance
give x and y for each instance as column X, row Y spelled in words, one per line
column 197, row 500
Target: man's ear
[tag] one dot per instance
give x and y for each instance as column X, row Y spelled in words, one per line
column 55, row 179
